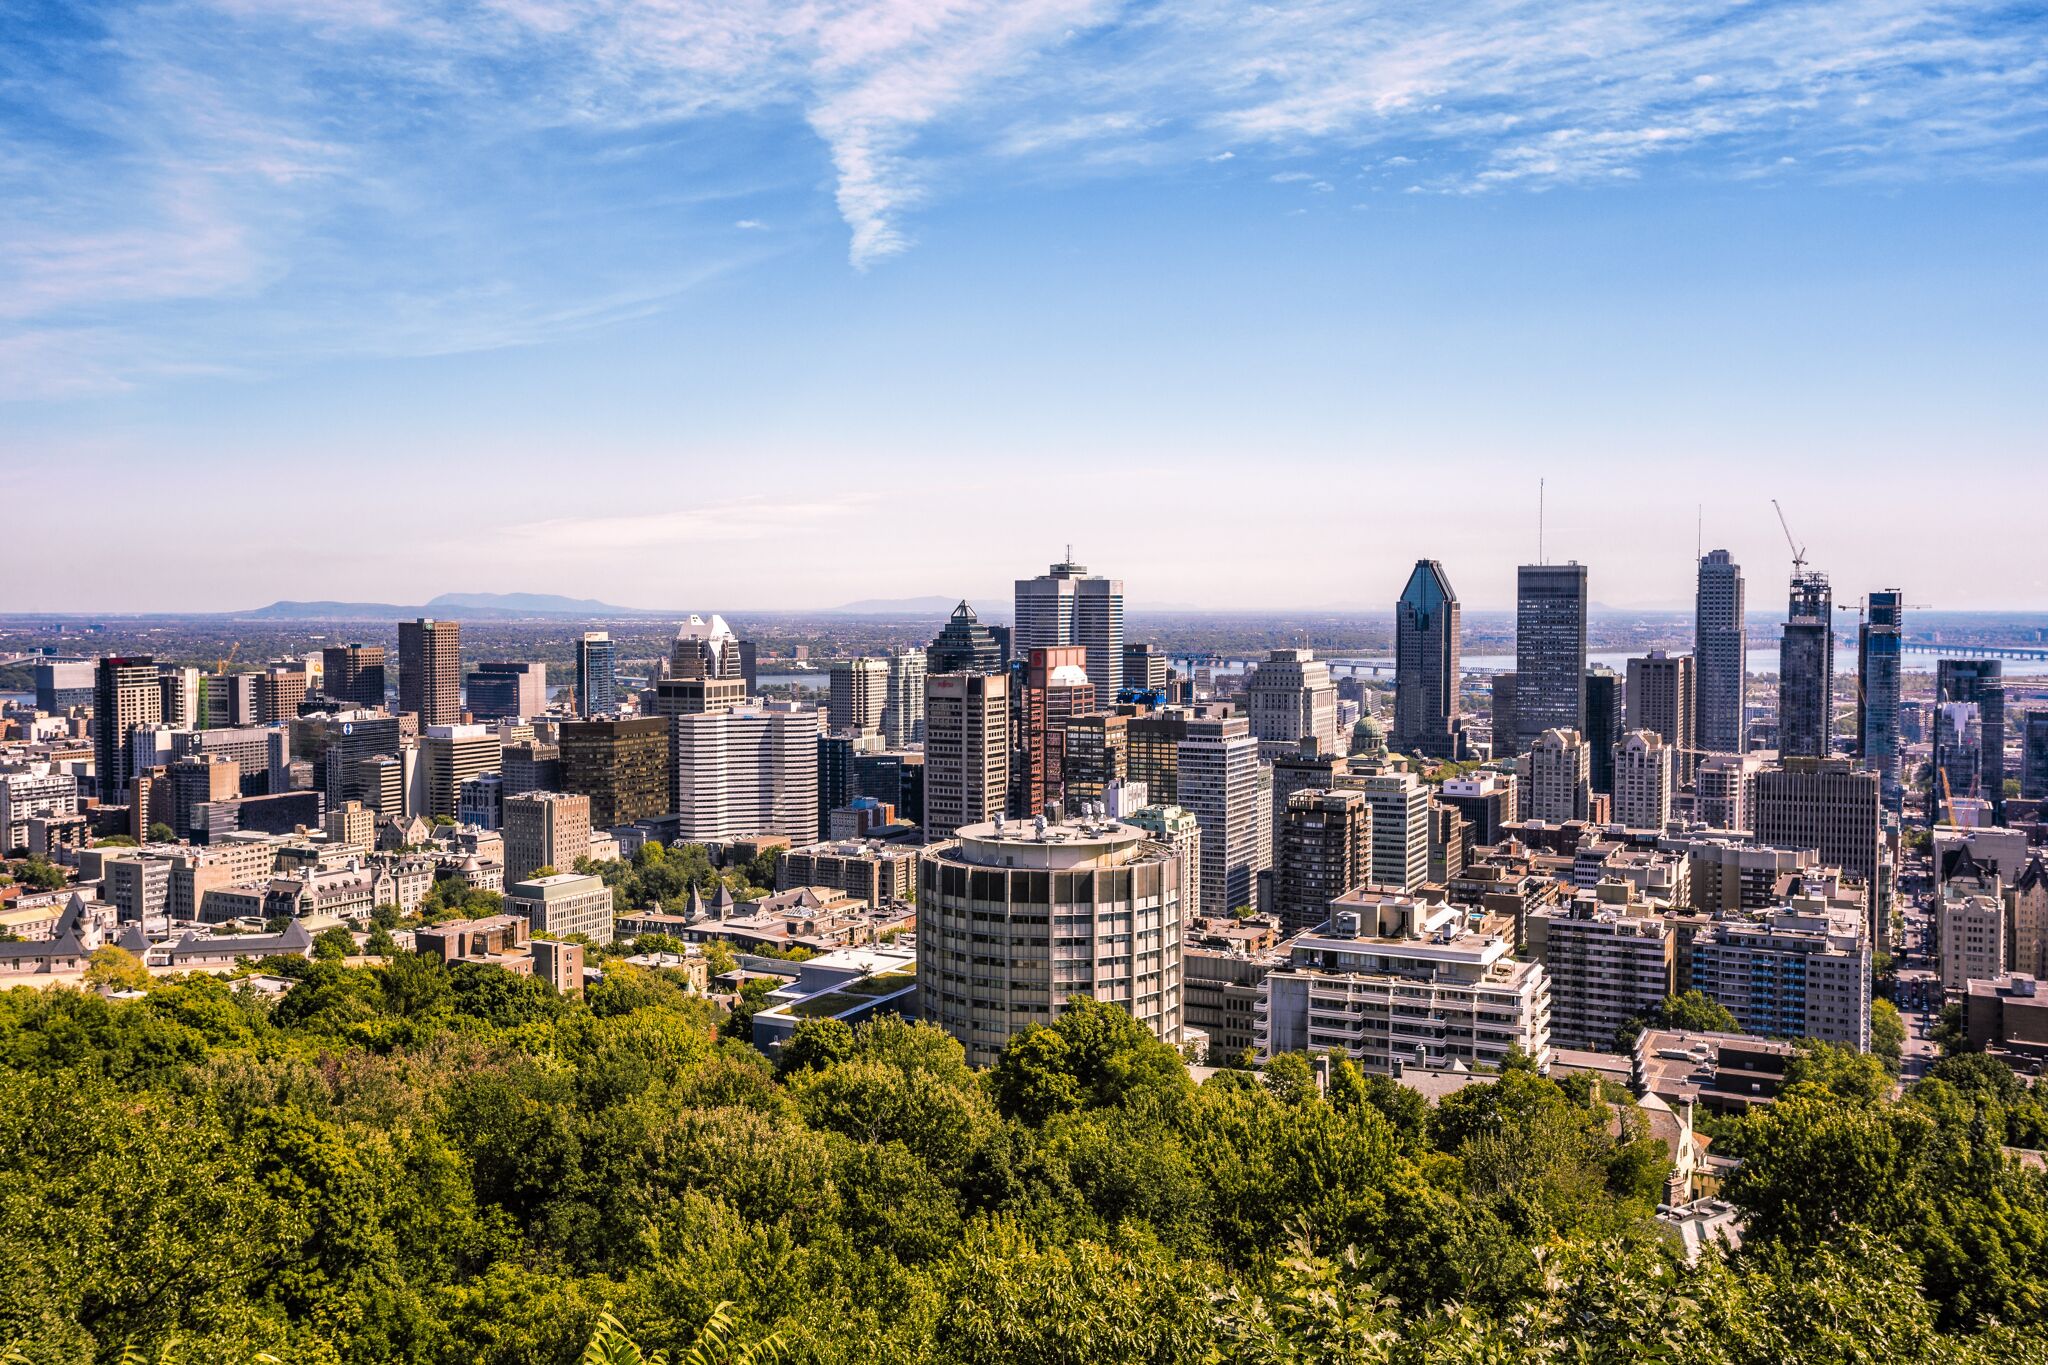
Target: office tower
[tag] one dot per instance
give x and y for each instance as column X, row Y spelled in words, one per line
column 126, row 694
column 63, row 683
column 1355, row 987
column 336, row 744
column 1609, row 961
column 430, row 670
column 230, row 700
column 1322, row 848
column 195, row 782
column 1154, row 757
column 1827, row 804
column 696, row 696
column 1218, row 780
column 2034, row 756
column 1485, row 800
column 966, row 750
column 1056, row 689
column 903, row 699
column 706, row 649
column 1972, row 755
column 1065, row 606
column 965, row 646
column 1098, row 747
column 1507, row 739
column 1720, row 647
column 1291, row 698
column 278, row 694
column 1427, row 665
column 1879, row 643
column 453, row 754
column 1400, row 827
column 597, row 675
column 860, row 688
column 1643, row 777
column 749, row 771
column 480, row 802
column 1607, row 699
column 181, row 696
column 1802, row 971
column 987, row 968
column 1555, row 777
column 353, row 674
column 1806, row 670
column 620, row 764
column 531, row 767
column 1661, row 699
column 1550, row 650
column 838, row 780
column 1145, row 668
column 564, row 904
column 1181, row 832
column 507, row 691
column 1721, row 790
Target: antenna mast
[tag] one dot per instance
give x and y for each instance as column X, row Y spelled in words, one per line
column 1540, row 559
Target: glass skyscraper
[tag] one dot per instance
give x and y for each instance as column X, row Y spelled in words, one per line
column 1806, row 670
column 1427, row 665
column 597, row 681
column 1721, row 657
column 1550, row 650
column 1878, row 646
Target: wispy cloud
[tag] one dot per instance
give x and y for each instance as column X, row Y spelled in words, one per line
column 320, row 169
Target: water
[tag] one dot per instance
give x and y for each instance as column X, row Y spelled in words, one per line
column 1762, row 662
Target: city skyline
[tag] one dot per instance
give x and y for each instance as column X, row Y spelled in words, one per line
column 670, row 287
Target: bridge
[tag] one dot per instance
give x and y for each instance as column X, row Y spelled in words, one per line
column 1974, row 651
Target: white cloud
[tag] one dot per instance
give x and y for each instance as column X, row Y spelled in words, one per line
column 751, row 225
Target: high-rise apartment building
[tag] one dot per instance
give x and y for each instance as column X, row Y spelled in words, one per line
column 1606, row 722
column 1720, row 646
column 181, row 697
column 965, row 646
column 545, row 829
column 1000, row 946
column 1427, row 665
column 1609, row 958
column 1400, row 826
column 451, row 755
column 751, row 770
column 125, row 694
column 620, row 764
column 1801, row 971
column 903, row 699
column 1721, row 790
column 1218, row 780
column 1067, row 606
column 279, row 691
column 966, row 750
column 1879, row 643
column 597, row 675
column 1826, row 804
column 1806, row 670
column 1290, row 698
column 353, row 674
column 1970, row 927
column 1972, row 755
column 1643, row 778
column 1181, row 832
column 230, row 700
column 859, row 690
column 2034, row 756
column 1550, row 650
column 430, row 670
column 1661, row 699
column 1555, row 777
column 507, row 691
column 1322, row 848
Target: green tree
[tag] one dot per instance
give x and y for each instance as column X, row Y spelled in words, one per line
column 1887, row 1034
column 333, row 944
column 1693, row 1011
column 1092, row 1056
column 116, row 969
column 161, row 833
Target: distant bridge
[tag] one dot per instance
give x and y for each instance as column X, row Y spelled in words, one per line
column 1974, row 651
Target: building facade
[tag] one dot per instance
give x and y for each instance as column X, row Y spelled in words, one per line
column 1428, row 665
column 1067, row 606
column 966, row 750
column 1806, row 670
column 1720, row 646
column 430, row 671
column 1550, row 650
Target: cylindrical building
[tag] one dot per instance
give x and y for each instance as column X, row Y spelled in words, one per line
column 1012, row 919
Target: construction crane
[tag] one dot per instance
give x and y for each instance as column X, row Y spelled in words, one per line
column 1798, row 550
column 222, row 665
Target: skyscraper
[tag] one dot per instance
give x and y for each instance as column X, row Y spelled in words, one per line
column 1291, row 698
column 859, row 689
column 1145, row 667
column 750, row 770
column 1643, row 779
column 1427, row 664
column 903, row 700
column 1720, row 647
column 507, row 691
column 1975, row 765
column 1400, row 826
column 545, row 829
column 1322, row 848
column 353, row 674
column 1806, row 670
column 597, row 678
column 1606, row 712
column 1661, row 700
column 1829, row 805
column 621, row 765
column 126, row 694
column 1066, row 606
column 1878, row 645
column 706, row 649
column 1550, row 650
column 1219, row 781
column 430, row 670
column 1554, row 777
column 966, row 750
column 1056, row 689
column 965, row 645
column 2034, row 756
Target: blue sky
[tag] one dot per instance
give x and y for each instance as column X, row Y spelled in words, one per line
column 776, row 305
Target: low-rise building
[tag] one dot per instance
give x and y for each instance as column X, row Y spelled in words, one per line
column 2009, row 1012
column 564, row 904
column 867, row 870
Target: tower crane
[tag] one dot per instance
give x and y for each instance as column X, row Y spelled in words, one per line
column 1798, row 550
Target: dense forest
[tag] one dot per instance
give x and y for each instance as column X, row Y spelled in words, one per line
column 409, row 1163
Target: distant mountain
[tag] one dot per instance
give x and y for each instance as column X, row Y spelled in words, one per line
column 472, row 606
column 899, row 606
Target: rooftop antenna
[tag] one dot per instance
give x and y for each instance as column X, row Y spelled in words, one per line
column 1699, row 531
column 1540, row 559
